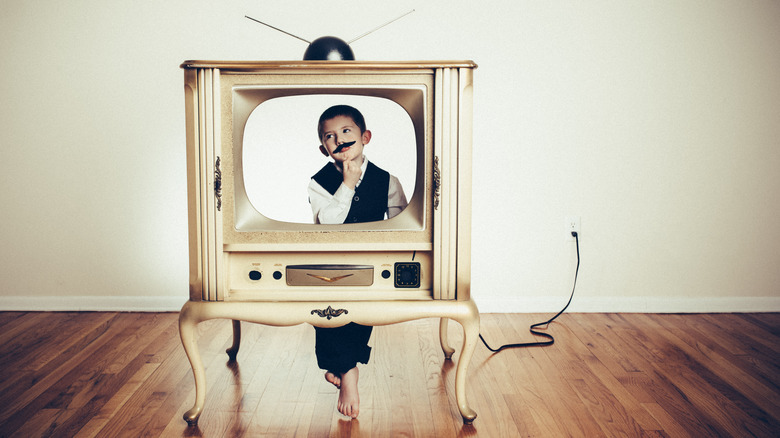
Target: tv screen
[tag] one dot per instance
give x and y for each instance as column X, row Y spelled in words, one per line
column 280, row 150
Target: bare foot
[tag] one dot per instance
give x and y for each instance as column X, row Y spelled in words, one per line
column 334, row 379
column 349, row 400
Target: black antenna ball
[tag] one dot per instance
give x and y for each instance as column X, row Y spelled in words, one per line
column 328, row 48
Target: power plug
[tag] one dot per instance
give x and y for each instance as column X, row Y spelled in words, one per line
column 572, row 227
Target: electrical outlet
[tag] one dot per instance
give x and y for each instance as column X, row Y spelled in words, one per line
column 572, row 225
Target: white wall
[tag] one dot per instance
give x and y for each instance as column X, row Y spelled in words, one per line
column 658, row 123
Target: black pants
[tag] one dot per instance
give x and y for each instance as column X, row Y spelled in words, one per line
column 339, row 349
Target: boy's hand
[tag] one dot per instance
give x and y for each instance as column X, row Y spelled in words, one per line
column 351, row 174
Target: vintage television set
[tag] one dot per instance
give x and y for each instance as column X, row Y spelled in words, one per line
column 256, row 254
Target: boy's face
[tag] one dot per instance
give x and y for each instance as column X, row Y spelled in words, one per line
column 337, row 134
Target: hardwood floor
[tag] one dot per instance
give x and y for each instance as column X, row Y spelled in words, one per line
column 625, row 375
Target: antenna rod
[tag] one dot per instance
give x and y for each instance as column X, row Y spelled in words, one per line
column 280, row 30
column 374, row 30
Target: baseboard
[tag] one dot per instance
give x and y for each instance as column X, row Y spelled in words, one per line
column 485, row 305
column 92, row 304
column 631, row 305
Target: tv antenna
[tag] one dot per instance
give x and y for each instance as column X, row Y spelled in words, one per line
column 277, row 29
column 329, row 48
column 379, row 27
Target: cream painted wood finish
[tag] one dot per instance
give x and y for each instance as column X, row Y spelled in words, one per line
column 221, row 257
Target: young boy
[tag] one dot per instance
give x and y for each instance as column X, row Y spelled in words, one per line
column 349, row 189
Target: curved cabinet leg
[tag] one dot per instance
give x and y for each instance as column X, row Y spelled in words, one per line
column 445, row 345
column 232, row 352
column 470, row 338
column 187, row 329
column 362, row 312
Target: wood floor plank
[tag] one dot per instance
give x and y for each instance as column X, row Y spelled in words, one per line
column 727, row 366
column 38, row 425
column 443, row 419
column 709, row 381
column 23, row 327
column 166, row 347
column 676, row 383
column 116, row 401
column 612, row 374
column 762, row 349
column 142, row 403
column 101, row 378
column 607, row 408
column 37, row 391
column 539, row 391
column 648, row 375
column 669, row 426
column 560, row 376
column 9, row 317
column 691, row 379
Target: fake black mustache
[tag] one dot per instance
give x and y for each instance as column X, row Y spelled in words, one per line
column 343, row 146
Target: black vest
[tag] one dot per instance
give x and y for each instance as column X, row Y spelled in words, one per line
column 370, row 200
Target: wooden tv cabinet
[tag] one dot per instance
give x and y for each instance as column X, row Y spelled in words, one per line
column 244, row 275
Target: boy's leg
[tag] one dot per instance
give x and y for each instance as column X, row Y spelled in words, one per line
column 338, row 351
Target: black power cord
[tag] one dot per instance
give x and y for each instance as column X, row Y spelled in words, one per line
column 550, row 340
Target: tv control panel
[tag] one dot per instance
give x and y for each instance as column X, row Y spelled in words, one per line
column 372, row 275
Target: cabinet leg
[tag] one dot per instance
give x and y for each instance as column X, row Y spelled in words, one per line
column 443, row 339
column 232, row 352
column 187, row 329
column 284, row 314
column 470, row 339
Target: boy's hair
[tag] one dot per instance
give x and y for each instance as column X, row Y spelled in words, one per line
column 341, row 110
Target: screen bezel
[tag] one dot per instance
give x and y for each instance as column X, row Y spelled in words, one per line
column 242, row 93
